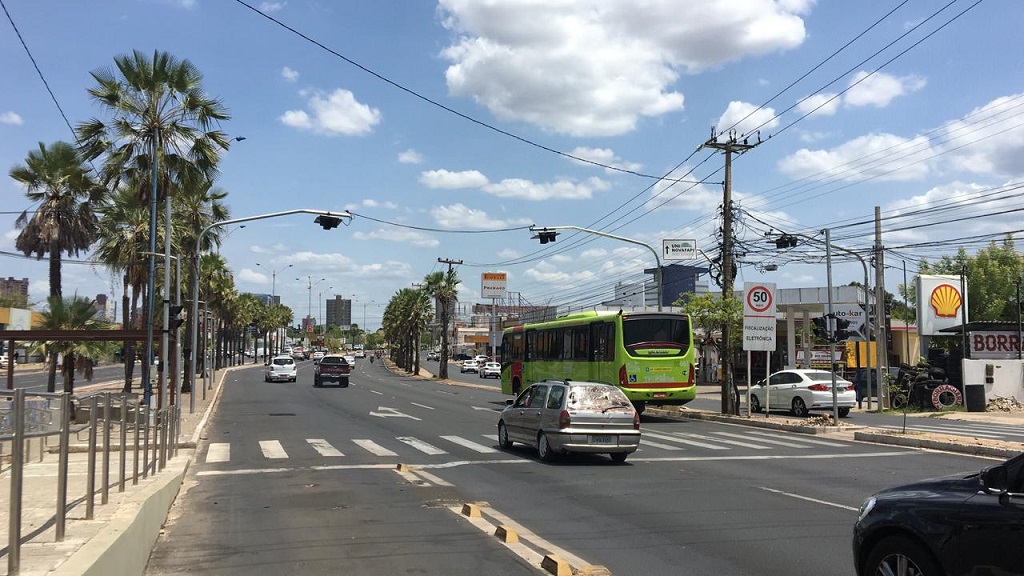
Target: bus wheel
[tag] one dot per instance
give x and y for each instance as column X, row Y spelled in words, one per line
column 639, row 407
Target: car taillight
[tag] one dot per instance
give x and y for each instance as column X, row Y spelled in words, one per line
column 564, row 420
column 692, row 379
column 851, row 387
column 818, row 387
column 636, row 420
column 622, row 375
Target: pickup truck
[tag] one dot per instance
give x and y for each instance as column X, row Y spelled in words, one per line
column 332, row 368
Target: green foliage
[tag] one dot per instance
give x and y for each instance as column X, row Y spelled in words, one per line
column 992, row 274
column 711, row 313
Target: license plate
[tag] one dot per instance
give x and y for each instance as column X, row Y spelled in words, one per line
column 660, row 394
column 602, row 439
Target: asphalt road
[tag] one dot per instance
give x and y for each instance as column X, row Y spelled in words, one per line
column 291, row 479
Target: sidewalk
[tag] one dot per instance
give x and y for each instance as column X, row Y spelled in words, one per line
column 122, row 533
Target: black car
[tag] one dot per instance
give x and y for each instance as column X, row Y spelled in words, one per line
column 961, row 524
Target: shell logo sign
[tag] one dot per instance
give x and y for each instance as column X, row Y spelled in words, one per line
column 941, row 303
column 945, row 301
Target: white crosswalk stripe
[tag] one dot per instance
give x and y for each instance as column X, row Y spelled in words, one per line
column 218, row 452
column 645, row 442
column 374, row 448
column 470, row 444
column 421, row 445
column 688, row 442
column 799, row 439
column 763, row 440
column 323, row 447
column 273, row 449
column 966, row 431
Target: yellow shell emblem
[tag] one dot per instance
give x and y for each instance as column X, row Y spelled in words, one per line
column 945, row 301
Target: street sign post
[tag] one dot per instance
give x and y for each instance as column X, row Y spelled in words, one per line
column 679, row 249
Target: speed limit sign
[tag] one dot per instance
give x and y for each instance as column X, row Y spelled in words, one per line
column 759, row 316
column 760, row 300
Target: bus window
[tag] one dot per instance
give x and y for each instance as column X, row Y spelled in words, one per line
column 581, row 339
column 638, row 331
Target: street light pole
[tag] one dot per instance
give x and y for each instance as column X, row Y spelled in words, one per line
column 325, row 218
column 309, row 310
column 657, row 258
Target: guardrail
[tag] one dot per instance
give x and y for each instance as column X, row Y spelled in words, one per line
column 151, row 433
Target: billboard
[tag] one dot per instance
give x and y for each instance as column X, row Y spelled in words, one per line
column 940, row 303
column 492, row 284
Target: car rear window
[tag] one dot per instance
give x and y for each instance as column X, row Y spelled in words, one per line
column 332, row 360
column 283, row 361
column 596, row 397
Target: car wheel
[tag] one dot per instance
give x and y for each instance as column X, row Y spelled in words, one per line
column 900, row 555
column 619, row 457
column 755, row 404
column 946, row 396
column 344, row 383
column 503, row 439
column 544, row 449
column 798, row 408
column 316, row 383
column 844, row 412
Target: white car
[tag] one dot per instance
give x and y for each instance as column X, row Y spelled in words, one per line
column 800, row 390
column 316, row 356
column 4, row 360
column 490, row 370
column 482, row 359
column 351, row 359
column 469, row 366
column 360, row 353
column 281, row 369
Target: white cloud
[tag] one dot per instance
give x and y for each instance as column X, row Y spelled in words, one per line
column 250, row 276
column 824, row 104
column 604, row 156
column 459, row 216
column 410, row 156
column 744, row 117
column 448, row 180
column 11, row 118
column 961, row 195
column 272, row 6
column 289, row 75
column 522, row 189
column 401, row 236
column 595, row 68
column 993, row 145
column 881, row 156
column 371, row 203
column 337, row 113
column 879, row 89
column 509, row 253
column 699, row 198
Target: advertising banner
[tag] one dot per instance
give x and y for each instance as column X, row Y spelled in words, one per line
column 493, row 284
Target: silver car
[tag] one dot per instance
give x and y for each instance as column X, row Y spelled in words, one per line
column 558, row 417
column 801, row 390
column 281, row 368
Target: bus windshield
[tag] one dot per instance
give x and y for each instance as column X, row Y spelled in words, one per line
column 645, row 332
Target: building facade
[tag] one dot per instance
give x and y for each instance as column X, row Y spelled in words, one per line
column 339, row 312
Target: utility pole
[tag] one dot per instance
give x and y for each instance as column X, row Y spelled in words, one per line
column 445, row 317
column 880, row 338
column 730, row 405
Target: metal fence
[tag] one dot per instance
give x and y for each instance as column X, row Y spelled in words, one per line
column 145, row 435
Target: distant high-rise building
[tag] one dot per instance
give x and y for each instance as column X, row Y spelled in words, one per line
column 339, row 311
column 13, row 287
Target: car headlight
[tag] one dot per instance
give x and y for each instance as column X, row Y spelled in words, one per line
column 865, row 508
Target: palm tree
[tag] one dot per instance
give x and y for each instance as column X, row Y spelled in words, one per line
column 123, row 235
column 443, row 286
column 160, row 117
column 56, row 178
column 74, row 314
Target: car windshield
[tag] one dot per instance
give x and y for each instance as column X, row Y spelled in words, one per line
column 822, row 376
column 283, row 361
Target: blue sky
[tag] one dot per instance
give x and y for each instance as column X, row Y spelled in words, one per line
column 448, row 126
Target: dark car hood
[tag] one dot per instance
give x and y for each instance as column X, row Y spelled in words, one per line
column 968, row 483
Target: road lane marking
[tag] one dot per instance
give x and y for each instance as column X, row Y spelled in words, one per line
column 218, row 452
column 804, row 440
column 686, row 441
column 386, row 412
column 373, row 448
column 734, row 442
column 774, row 441
column 809, row 499
column 645, row 442
column 272, row 449
column 948, row 431
column 420, row 445
column 422, row 406
column 377, row 393
column 470, row 444
column 323, row 447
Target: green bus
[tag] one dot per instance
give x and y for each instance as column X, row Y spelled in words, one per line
column 649, row 355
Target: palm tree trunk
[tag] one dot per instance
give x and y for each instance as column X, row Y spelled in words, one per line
column 128, row 355
column 443, row 371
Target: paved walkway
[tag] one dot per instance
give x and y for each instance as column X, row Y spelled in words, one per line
column 122, row 533
column 118, row 538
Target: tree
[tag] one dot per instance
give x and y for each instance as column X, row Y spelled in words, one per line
column 73, row 314
column 443, row 286
column 710, row 313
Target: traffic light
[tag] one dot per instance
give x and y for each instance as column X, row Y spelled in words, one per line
column 785, row 241
column 820, row 328
column 174, row 318
column 843, row 331
column 545, row 235
column 327, row 221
